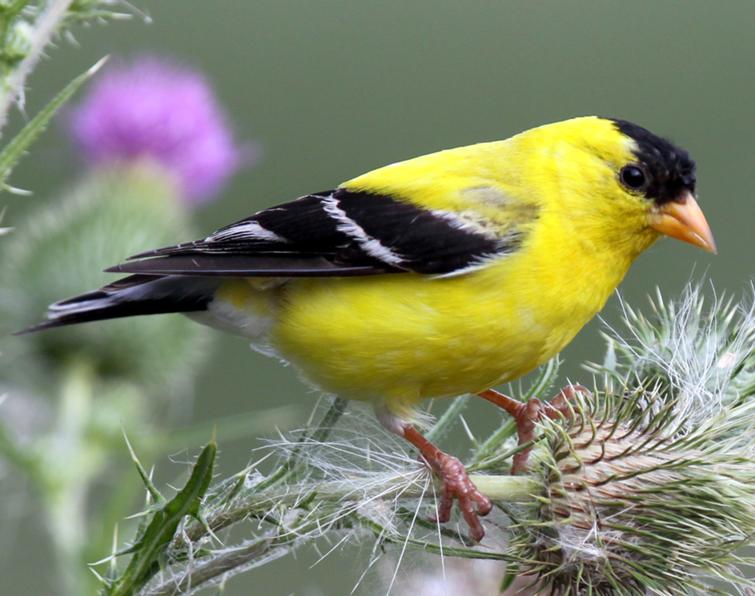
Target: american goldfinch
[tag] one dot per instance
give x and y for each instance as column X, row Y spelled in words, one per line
column 445, row 274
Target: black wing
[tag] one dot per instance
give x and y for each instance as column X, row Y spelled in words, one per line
column 334, row 233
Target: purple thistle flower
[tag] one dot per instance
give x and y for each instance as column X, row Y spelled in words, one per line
column 156, row 110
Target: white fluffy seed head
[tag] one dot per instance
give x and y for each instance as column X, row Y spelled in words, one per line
column 698, row 347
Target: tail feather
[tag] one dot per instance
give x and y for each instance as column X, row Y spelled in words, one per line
column 131, row 296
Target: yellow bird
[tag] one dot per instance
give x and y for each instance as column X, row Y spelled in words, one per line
column 445, row 274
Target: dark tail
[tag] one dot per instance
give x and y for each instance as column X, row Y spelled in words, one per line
column 131, row 296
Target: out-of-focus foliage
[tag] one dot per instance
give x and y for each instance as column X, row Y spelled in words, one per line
column 66, row 396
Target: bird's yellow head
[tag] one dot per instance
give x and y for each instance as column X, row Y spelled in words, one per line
column 617, row 182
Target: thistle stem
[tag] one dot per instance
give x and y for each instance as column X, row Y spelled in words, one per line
column 518, row 489
column 512, row 489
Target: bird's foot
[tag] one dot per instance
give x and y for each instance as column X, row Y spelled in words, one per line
column 528, row 414
column 456, row 485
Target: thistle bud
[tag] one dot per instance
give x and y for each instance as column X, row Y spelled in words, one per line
column 61, row 251
column 18, row 42
column 633, row 500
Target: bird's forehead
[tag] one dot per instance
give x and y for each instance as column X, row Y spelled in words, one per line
column 660, row 155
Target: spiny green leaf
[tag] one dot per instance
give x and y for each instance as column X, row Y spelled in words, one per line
column 146, row 479
column 150, row 547
column 15, row 149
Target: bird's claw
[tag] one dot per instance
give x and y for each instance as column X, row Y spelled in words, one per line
column 528, row 414
column 458, row 486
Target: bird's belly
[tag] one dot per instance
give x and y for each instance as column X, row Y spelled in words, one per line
column 405, row 339
column 246, row 308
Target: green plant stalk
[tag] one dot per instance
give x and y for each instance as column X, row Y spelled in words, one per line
column 512, row 489
column 449, row 417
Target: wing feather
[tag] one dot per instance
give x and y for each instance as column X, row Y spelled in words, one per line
column 334, row 233
column 263, row 265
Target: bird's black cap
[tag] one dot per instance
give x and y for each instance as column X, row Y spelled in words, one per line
column 669, row 168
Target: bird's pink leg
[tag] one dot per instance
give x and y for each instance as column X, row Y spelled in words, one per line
column 456, row 483
column 528, row 414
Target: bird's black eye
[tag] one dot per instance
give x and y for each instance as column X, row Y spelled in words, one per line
column 633, row 177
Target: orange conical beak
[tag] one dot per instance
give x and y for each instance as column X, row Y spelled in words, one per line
column 684, row 220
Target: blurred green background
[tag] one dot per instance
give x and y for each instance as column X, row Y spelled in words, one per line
column 332, row 88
